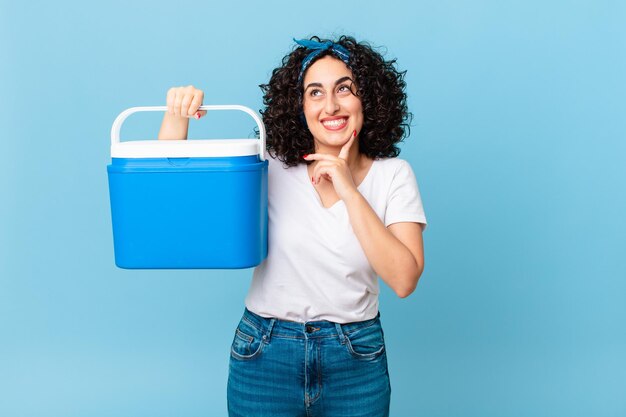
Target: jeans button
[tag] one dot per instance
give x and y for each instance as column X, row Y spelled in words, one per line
column 309, row 329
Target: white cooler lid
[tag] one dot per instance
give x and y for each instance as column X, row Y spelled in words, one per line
column 193, row 148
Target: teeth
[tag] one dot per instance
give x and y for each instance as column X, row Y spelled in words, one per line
column 334, row 123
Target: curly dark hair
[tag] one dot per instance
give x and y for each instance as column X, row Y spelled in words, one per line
column 380, row 86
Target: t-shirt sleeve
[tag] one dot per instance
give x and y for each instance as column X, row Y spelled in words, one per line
column 404, row 203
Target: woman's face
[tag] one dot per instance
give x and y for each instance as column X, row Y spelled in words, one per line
column 331, row 109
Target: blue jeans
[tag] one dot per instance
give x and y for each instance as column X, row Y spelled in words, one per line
column 286, row 369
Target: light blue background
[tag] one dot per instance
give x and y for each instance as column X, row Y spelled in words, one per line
column 518, row 144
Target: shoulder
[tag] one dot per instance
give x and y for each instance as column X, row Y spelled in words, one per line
column 275, row 161
column 280, row 174
column 393, row 165
column 387, row 174
column 395, row 173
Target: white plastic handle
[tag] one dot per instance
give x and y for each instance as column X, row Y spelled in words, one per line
column 117, row 124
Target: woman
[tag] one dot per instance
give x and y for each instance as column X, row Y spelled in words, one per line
column 343, row 210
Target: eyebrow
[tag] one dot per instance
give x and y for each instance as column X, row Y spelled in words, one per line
column 339, row 81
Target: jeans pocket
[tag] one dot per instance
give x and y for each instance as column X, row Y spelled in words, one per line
column 366, row 343
column 248, row 341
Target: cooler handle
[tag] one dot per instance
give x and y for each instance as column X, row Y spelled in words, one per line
column 117, row 124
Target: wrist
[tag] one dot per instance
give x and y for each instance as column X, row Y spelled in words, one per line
column 176, row 118
column 353, row 196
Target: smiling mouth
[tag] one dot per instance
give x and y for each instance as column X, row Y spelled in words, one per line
column 335, row 124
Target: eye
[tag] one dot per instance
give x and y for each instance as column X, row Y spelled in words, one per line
column 344, row 88
column 316, row 92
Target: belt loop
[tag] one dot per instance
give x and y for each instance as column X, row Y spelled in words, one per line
column 268, row 332
column 342, row 337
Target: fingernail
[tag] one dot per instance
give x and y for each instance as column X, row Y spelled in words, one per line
column 305, row 155
column 354, row 133
column 197, row 115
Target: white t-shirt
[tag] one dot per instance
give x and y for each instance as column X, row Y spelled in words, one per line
column 315, row 267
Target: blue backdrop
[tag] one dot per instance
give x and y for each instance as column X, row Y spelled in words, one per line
column 518, row 144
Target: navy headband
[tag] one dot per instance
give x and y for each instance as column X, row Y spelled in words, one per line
column 317, row 48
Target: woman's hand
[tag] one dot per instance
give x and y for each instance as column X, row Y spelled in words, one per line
column 335, row 169
column 182, row 104
column 185, row 101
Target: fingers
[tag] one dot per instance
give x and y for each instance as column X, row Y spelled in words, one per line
column 177, row 101
column 325, row 176
column 185, row 101
column 328, row 165
column 171, row 98
column 319, row 157
column 325, row 169
column 196, row 102
column 345, row 150
column 343, row 154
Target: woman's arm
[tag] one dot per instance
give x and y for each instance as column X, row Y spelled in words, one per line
column 174, row 127
column 396, row 252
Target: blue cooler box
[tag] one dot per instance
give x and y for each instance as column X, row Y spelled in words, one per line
column 188, row 203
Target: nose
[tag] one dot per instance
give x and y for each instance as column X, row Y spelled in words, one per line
column 331, row 106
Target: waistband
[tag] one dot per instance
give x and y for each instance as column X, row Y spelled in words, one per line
column 272, row 327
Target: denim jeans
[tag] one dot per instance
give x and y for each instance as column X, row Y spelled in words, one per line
column 287, row 369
